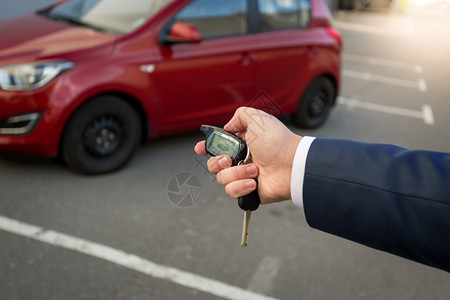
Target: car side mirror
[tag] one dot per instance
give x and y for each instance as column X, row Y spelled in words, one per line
column 181, row 32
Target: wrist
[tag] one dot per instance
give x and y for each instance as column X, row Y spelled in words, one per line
column 289, row 156
column 293, row 145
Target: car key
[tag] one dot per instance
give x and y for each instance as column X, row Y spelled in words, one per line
column 244, row 238
column 220, row 142
column 248, row 203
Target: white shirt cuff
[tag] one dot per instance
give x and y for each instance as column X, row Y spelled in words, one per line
column 298, row 170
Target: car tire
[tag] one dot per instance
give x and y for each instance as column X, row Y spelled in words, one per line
column 315, row 104
column 101, row 136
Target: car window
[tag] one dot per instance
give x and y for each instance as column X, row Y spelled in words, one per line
column 111, row 15
column 282, row 14
column 304, row 13
column 215, row 18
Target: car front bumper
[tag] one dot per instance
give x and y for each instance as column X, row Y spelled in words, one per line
column 28, row 123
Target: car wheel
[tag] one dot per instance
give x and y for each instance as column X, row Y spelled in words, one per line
column 315, row 104
column 101, row 136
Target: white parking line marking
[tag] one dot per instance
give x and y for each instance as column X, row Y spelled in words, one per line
column 421, row 85
column 383, row 62
column 398, row 32
column 129, row 261
column 426, row 114
column 262, row 279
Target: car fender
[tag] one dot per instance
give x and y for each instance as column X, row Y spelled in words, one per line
column 64, row 107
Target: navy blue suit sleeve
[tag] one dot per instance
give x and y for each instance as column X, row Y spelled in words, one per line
column 385, row 197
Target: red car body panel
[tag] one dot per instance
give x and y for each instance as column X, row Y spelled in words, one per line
column 33, row 37
column 193, row 84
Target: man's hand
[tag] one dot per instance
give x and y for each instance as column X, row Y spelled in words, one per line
column 272, row 146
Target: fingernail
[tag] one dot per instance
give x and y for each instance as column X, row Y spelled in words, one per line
column 250, row 184
column 251, row 170
column 223, row 162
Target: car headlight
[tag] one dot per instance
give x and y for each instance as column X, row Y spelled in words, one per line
column 30, row 76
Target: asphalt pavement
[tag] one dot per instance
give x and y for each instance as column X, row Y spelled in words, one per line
column 125, row 236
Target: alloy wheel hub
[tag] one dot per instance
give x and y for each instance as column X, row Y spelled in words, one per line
column 103, row 136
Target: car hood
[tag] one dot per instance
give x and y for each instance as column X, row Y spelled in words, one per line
column 34, row 37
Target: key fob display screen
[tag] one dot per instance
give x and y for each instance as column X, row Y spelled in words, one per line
column 221, row 142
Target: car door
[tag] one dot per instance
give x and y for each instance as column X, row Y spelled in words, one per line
column 286, row 50
column 205, row 82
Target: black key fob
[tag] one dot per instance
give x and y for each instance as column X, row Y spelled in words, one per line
column 221, row 142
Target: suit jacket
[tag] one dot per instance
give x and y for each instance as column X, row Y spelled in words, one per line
column 382, row 196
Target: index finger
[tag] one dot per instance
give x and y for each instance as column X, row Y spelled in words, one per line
column 200, row 148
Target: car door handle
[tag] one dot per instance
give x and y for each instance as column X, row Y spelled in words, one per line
column 311, row 51
column 246, row 58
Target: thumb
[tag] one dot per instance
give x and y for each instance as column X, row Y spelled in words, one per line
column 241, row 120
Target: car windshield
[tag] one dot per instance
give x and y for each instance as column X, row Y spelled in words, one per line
column 117, row 16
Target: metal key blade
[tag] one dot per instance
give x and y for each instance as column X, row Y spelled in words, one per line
column 244, row 238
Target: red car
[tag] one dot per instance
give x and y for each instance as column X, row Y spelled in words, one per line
column 90, row 79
